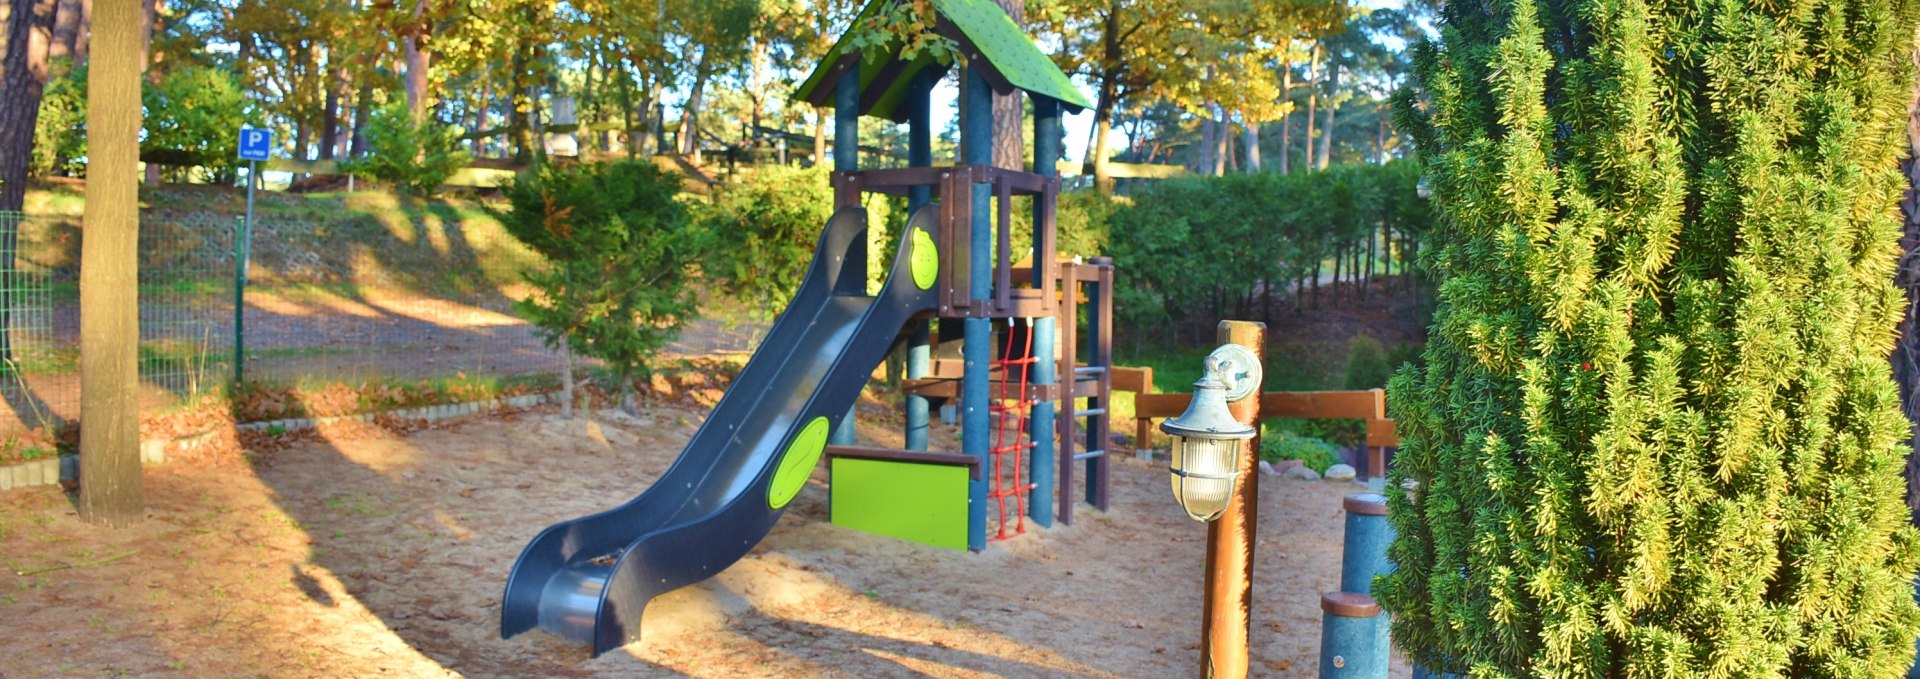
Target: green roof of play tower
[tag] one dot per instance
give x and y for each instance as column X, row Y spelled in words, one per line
column 985, row 34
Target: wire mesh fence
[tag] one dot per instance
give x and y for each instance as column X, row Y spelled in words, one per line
column 310, row 314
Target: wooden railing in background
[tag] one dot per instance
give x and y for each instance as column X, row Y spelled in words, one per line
column 1369, row 406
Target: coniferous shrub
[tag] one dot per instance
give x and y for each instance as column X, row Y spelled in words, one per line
column 621, row 255
column 1655, row 432
column 417, row 158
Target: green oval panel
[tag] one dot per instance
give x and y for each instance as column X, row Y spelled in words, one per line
column 797, row 464
column 924, row 259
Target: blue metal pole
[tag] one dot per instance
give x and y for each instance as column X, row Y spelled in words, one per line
column 1353, row 637
column 846, row 158
column 1046, row 149
column 977, row 143
column 1364, row 554
column 919, row 345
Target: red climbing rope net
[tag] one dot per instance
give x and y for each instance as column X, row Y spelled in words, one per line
column 1011, row 439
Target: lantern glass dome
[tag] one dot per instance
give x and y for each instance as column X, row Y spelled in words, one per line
column 1207, row 441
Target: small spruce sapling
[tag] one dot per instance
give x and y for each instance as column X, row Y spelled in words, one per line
column 621, row 256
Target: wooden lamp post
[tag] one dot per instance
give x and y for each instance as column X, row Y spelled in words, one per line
column 1216, row 445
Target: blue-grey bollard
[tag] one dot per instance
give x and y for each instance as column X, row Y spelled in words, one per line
column 1914, row 672
column 1353, row 637
column 1424, row 673
column 1365, row 552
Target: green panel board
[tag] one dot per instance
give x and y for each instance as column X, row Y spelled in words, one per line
column 925, row 503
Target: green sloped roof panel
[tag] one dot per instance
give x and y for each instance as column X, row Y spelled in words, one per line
column 986, row 27
column 1010, row 50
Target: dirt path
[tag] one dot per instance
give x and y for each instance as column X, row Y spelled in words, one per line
column 367, row 553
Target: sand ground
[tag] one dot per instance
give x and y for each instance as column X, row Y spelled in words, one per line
column 365, row 551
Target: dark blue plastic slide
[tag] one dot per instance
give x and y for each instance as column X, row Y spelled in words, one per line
column 590, row 578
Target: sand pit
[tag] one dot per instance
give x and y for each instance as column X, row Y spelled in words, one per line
column 371, row 553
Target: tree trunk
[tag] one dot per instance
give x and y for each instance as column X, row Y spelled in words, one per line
column 690, row 114
column 1286, row 141
column 819, row 137
column 330, row 108
column 1313, row 105
column 1009, row 147
column 416, row 78
column 23, row 79
column 1103, row 137
column 1222, row 141
column 1253, row 146
column 566, row 380
column 362, row 107
column 1326, row 126
column 71, row 24
column 1204, row 163
column 110, row 478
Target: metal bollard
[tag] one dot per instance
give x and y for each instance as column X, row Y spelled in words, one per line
column 1353, row 637
column 1365, row 553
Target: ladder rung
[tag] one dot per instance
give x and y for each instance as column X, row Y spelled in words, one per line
column 1089, row 412
column 1089, row 369
column 1089, row 454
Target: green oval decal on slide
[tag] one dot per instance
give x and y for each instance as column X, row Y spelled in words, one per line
column 924, row 260
column 797, row 464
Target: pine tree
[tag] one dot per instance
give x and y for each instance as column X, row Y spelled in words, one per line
column 1655, row 433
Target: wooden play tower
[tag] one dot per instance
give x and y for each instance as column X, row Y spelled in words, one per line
column 1014, row 310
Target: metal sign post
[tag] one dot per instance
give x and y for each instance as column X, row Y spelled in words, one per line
column 255, row 145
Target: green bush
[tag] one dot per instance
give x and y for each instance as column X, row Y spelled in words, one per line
column 193, row 118
column 1280, row 444
column 1202, row 246
column 60, row 133
column 767, row 227
column 621, row 256
column 1367, row 366
column 417, row 159
column 1656, row 433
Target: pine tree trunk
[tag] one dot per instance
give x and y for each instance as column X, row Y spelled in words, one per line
column 690, row 115
column 416, row 57
column 1109, row 97
column 566, row 380
column 110, row 475
column 1325, row 157
column 23, row 79
column 1313, row 106
column 330, row 109
column 1009, row 147
column 820, row 137
column 1253, row 145
column 1208, row 128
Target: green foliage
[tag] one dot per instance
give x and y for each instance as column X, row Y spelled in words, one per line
column 1278, row 444
column 193, row 118
column 1202, row 245
column 766, row 228
column 416, row 158
column 1367, row 366
column 621, row 252
column 1082, row 222
column 1655, row 433
column 60, row 134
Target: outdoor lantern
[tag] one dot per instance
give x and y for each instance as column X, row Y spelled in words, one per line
column 1205, row 464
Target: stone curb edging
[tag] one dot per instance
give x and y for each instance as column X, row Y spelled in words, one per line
column 51, row 470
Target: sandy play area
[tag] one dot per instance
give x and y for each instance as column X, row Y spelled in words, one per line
column 369, row 552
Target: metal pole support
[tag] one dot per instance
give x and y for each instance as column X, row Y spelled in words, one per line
column 1353, row 637
column 242, row 250
column 1364, row 555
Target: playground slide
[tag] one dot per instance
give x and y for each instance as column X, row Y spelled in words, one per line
column 589, row 579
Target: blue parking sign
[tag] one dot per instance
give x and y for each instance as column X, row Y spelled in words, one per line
column 255, row 143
